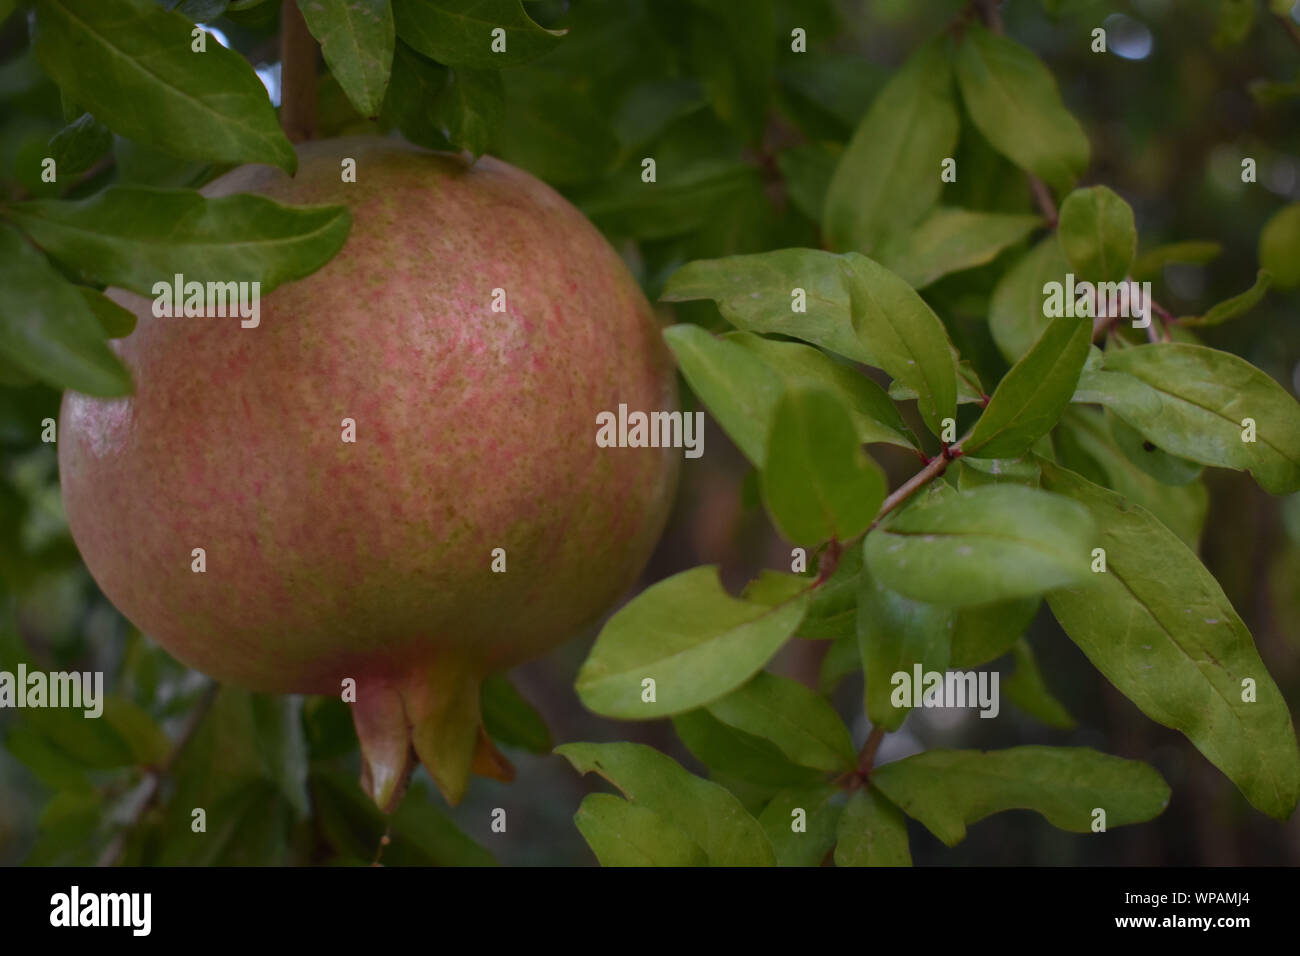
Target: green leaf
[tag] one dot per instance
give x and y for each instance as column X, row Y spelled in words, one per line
column 833, row 609
column 356, row 38
column 510, row 719
column 740, row 377
column 1027, row 690
column 145, row 740
column 1192, row 252
column 1191, row 401
column 48, row 329
column 738, row 387
column 1097, row 234
column 1181, row 509
column 875, row 417
column 809, row 844
column 116, row 321
column 734, row 754
column 1166, row 468
column 756, row 293
column 1016, row 316
column 950, row 240
column 985, row 632
column 947, row 790
column 1279, row 246
column 871, row 832
column 807, row 170
column 625, row 834
column 731, row 47
column 1160, row 628
column 888, row 177
column 470, row 107
column 420, row 835
column 841, row 660
column 907, row 339
column 692, row 638
column 415, row 88
column 137, row 236
column 130, row 64
column 894, row 634
column 1234, row 307
column 704, row 811
column 700, row 173
column 1014, row 102
column 974, row 472
column 1031, row 397
column 797, row 720
column 817, row 482
column 78, row 146
column 976, row 547
column 461, row 32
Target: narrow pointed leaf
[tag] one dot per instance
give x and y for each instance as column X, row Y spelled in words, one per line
column 950, row 240
column 1016, row 316
column 688, row 635
column 129, row 63
column 756, row 293
column 1013, row 100
column 802, row 839
column 462, row 32
column 704, row 811
column 888, row 176
column 1160, row 628
column 624, row 834
column 794, row 718
column 904, row 335
column 872, row 832
column 975, row 547
column 1097, row 234
column 895, row 633
column 1026, row 689
column 947, row 790
column 356, row 38
column 817, row 482
column 48, row 329
column 1193, row 401
column 1031, row 397
column 136, row 236
column 1234, row 307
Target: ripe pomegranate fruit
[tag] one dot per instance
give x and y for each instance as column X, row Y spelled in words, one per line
column 475, row 430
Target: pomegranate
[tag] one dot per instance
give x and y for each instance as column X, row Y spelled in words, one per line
column 325, row 559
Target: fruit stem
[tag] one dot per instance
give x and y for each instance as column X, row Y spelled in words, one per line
column 297, row 75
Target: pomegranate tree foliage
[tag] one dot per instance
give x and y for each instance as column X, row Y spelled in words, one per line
column 822, row 225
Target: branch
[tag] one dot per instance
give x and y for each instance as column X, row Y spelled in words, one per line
column 297, row 75
column 936, row 467
column 113, row 852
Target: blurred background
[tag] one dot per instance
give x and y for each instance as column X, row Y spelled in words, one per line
column 1185, row 91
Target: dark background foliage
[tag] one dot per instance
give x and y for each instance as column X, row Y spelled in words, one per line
column 1187, row 89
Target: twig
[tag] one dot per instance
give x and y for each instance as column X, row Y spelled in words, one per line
column 1043, row 196
column 297, row 75
column 113, row 852
column 937, row 466
column 989, row 13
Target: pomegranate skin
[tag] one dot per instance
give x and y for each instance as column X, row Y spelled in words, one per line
column 475, row 430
